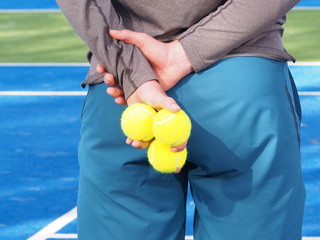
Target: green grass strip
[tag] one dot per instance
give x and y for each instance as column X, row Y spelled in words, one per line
column 302, row 34
column 48, row 37
column 39, row 37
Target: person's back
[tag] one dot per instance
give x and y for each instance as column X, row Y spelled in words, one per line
column 223, row 62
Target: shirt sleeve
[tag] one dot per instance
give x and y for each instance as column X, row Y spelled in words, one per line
column 231, row 25
column 92, row 20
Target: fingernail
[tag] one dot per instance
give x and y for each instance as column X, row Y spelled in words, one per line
column 174, row 149
column 107, row 81
column 175, row 107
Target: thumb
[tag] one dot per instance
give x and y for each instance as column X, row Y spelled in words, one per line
column 135, row 38
column 125, row 36
column 165, row 102
column 171, row 105
column 100, row 68
column 152, row 94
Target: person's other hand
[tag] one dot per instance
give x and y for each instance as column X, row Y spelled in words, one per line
column 168, row 60
column 113, row 88
column 150, row 93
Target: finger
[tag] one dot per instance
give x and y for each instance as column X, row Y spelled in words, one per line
column 120, row 100
column 171, row 105
column 100, row 68
column 136, row 38
column 166, row 102
column 137, row 144
column 114, row 92
column 152, row 94
column 109, row 80
column 140, row 144
column 129, row 141
column 179, row 148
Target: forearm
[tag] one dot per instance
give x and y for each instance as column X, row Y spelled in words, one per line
column 92, row 20
column 233, row 24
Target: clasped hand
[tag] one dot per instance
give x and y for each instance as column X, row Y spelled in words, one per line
column 168, row 61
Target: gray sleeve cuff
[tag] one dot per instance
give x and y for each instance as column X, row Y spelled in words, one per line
column 130, row 86
column 192, row 53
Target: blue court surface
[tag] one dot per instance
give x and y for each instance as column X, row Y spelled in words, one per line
column 51, row 4
column 39, row 124
column 39, row 131
column 28, row 4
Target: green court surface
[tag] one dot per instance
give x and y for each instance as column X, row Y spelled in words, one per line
column 39, row 37
column 48, row 37
column 38, row 196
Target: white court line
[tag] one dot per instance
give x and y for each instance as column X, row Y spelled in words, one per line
column 45, row 64
column 304, row 64
column 84, row 93
column 311, row 93
column 55, row 226
column 306, row 8
column 43, row 93
column 64, row 236
column 44, row 10
column 84, row 64
column 303, row 238
column 30, row 10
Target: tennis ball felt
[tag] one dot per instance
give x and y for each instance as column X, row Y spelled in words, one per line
column 171, row 128
column 137, row 120
column 163, row 160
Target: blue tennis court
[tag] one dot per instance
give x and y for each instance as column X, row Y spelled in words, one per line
column 51, row 4
column 40, row 109
column 39, row 125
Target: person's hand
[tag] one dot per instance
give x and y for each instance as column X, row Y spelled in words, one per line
column 113, row 89
column 170, row 64
column 168, row 60
column 150, row 93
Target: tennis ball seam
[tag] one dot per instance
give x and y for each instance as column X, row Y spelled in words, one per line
column 180, row 140
column 134, row 111
column 147, row 136
column 178, row 134
column 177, row 160
column 165, row 120
column 123, row 122
column 152, row 154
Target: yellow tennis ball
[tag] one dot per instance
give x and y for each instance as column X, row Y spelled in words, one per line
column 171, row 128
column 137, row 120
column 163, row 160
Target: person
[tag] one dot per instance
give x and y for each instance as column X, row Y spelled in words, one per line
column 224, row 63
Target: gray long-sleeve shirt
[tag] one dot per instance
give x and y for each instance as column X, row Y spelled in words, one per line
column 208, row 30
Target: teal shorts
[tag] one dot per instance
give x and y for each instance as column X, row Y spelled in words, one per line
column 243, row 166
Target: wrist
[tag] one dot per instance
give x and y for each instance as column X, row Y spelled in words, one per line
column 147, row 86
column 179, row 57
